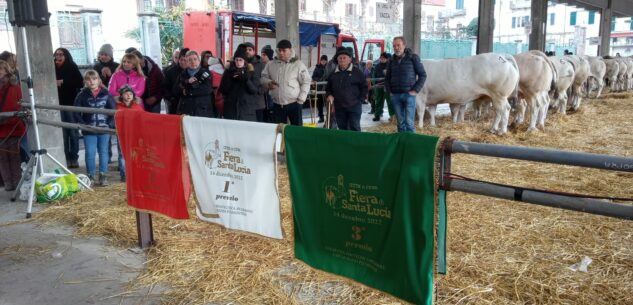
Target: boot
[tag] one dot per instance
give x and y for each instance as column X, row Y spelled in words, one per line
column 103, row 180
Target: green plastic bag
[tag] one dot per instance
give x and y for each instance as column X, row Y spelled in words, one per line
column 50, row 187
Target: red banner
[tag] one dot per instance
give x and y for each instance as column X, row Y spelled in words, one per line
column 158, row 178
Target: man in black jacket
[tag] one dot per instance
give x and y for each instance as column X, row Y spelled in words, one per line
column 318, row 76
column 258, row 67
column 405, row 78
column 105, row 65
column 346, row 88
column 172, row 73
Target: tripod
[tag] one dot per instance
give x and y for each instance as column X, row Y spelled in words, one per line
column 34, row 166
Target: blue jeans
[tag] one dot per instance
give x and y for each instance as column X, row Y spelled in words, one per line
column 71, row 138
column 121, row 160
column 404, row 105
column 94, row 143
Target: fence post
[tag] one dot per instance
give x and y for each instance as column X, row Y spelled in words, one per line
column 144, row 229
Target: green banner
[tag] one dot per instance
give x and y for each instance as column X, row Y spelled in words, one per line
column 364, row 206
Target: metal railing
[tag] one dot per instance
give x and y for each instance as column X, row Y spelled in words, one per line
column 449, row 182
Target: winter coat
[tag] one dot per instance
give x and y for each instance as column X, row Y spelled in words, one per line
column 153, row 81
column 171, row 79
column 197, row 98
column 241, row 93
column 121, row 78
column 405, row 73
column 293, row 80
column 72, row 82
column 100, row 65
column 348, row 87
column 258, row 68
column 103, row 100
column 319, row 73
column 10, row 94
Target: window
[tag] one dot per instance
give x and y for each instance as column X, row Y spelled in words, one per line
column 552, row 18
column 592, row 17
column 302, row 5
column 526, row 21
column 350, row 9
column 514, row 22
column 631, row 24
column 459, row 4
column 612, row 24
column 572, row 18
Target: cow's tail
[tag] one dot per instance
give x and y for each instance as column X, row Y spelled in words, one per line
column 514, row 97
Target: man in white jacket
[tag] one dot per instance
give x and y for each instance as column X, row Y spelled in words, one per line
column 289, row 82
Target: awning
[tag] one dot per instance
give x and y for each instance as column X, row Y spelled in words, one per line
column 309, row 31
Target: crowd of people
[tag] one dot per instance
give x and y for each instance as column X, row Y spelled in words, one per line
column 249, row 87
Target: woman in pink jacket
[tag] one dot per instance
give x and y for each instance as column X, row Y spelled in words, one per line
column 129, row 73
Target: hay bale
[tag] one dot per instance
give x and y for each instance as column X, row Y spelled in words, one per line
column 499, row 252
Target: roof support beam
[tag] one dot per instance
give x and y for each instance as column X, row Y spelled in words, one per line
column 538, row 24
column 486, row 27
column 412, row 24
column 287, row 25
column 606, row 14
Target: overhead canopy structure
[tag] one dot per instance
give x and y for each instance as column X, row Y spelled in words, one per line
column 309, row 31
column 620, row 8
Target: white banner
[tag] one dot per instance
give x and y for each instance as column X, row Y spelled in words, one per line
column 234, row 174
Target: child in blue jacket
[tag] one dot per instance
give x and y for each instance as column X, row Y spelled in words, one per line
column 95, row 95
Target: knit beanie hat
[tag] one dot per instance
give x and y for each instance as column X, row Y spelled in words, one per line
column 126, row 88
column 106, row 49
column 268, row 50
column 241, row 53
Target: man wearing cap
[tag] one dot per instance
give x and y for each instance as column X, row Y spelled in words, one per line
column 380, row 95
column 171, row 80
column 258, row 67
column 289, row 82
column 404, row 79
column 346, row 88
column 105, row 65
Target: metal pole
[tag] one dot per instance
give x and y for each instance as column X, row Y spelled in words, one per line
column 586, row 205
column 78, row 126
column 544, row 155
column 29, row 83
column 72, row 108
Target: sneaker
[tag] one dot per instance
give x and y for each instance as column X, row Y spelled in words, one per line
column 123, row 179
column 321, row 120
column 92, row 179
column 103, row 180
column 375, row 119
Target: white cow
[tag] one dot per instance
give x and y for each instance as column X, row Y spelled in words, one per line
column 581, row 67
column 459, row 81
column 611, row 76
column 597, row 69
column 565, row 72
column 537, row 78
column 629, row 72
